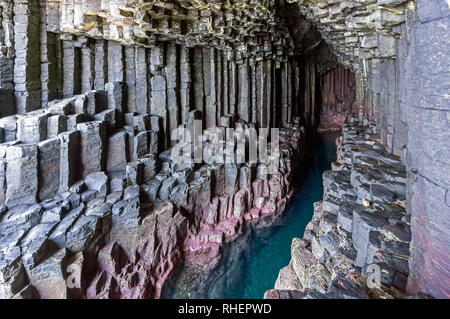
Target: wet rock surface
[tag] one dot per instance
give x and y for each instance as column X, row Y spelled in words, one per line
column 120, row 231
column 359, row 231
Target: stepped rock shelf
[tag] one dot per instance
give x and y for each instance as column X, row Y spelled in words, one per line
column 361, row 223
column 125, row 230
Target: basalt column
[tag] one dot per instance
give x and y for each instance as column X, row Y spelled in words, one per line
column 337, row 96
column 308, row 92
column 27, row 47
column 209, row 87
column 6, row 59
column 244, row 94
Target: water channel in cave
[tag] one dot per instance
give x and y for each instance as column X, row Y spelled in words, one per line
column 250, row 264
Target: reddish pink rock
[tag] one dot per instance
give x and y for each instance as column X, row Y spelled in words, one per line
column 240, row 203
column 255, row 213
column 269, row 208
column 195, row 240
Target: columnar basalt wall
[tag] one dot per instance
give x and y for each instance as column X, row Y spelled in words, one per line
column 337, row 98
column 399, row 52
column 92, row 203
column 366, row 37
column 6, row 59
column 327, row 92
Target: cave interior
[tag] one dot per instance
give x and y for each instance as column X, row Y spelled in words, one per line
column 90, row 91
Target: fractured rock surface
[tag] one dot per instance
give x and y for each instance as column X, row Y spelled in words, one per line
column 360, row 225
column 103, row 209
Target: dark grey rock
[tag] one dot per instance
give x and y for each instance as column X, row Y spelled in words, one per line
column 98, row 182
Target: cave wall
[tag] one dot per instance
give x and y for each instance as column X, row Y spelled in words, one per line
column 6, row 59
column 365, row 38
column 428, row 157
column 52, row 46
column 327, row 91
column 338, row 96
column 104, row 81
column 92, row 91
column 163, row 59
column 399, row 51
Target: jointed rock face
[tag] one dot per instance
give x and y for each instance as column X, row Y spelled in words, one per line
column 361, row 223
column 92, row 204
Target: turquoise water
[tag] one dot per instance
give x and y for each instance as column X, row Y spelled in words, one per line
column 269, row 250
column 250, row 264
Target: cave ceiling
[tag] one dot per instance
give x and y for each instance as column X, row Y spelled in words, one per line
column 250, row 27
column 354, row 30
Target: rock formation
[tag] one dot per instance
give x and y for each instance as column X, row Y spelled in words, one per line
column 399, row 49
column 92, row 203
column 360, row 224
